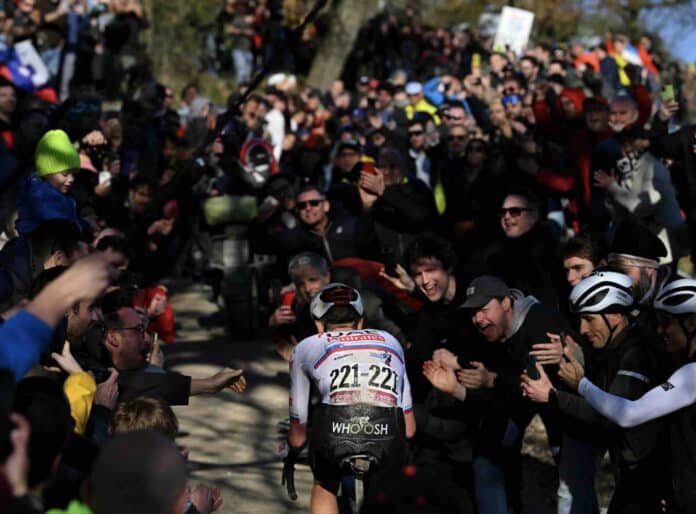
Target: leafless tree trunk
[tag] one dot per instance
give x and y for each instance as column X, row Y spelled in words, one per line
column 347, row 16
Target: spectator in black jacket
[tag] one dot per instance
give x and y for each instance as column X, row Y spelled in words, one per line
column 399, row 206
column 527, row 257
column 625, row 366
column 321, row 229
column 128, row 344
column 521, row 329
column 444, row 440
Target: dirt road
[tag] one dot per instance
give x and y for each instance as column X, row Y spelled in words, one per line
column 233, row 438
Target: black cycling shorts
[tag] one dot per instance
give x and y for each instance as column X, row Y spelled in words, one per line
column 338, row 432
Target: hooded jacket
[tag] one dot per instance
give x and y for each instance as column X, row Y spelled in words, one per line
column 509, row 357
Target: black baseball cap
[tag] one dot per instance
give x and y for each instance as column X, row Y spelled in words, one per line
column 482, row 290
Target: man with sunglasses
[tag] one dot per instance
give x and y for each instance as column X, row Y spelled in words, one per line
column 527, row 256
column 417, row 149
column 335, row 235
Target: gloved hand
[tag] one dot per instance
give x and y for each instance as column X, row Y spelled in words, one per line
column 288, row 476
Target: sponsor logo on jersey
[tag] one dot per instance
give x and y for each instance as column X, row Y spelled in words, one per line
column 359, row 425
column 356, row 338
column 383, row 398
column 667, row 386
column 344, row 397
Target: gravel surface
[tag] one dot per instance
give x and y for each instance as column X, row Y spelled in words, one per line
column 233, row 438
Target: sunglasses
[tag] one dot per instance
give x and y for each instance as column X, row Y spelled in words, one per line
column 456, row 138
column 415, row 133
column 511, row 100
column 139, row 328
column 514, row 212
column 309, row 203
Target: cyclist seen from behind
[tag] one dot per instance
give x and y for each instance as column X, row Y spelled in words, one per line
column 365, row 395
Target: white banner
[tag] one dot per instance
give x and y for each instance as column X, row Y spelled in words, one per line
column 30, row 58
column 514, row 29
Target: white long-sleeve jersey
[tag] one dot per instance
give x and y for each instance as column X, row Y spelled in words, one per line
column 677, row 392
column 359, row 366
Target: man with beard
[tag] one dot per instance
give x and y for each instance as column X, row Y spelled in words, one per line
column 636, row 252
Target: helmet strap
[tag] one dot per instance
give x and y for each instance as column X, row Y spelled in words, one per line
column 689, row 334
column 611, row 330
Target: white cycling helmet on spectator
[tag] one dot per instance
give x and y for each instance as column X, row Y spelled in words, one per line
column 334, row 295
column 677, row 297
column 602, row 292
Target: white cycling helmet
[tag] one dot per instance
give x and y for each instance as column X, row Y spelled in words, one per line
column 602, row 292
column 332, row 295
column 677, row 297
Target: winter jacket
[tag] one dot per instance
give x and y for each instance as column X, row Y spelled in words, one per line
column 403, row 211
column 627, row 368
column 22, row 339
column 40, row 201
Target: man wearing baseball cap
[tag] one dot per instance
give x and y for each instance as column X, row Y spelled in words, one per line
column 528, row 332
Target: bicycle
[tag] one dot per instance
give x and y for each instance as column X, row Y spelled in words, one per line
column 352, row 489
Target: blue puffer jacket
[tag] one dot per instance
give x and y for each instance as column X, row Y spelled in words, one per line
column 40, row 201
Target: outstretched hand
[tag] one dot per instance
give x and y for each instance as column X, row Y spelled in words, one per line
column 206, row 498
column 477, row 376
column 402, row 280
column 444, row 379
column 548, row 353
column 230, row 378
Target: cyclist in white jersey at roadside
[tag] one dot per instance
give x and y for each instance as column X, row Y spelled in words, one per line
column 675, row 305
column 365, row 394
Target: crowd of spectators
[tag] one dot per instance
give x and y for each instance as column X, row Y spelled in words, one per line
column 436, row 173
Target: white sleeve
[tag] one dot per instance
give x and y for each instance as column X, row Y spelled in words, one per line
column 299, row 386
column 676, row 393
column 406, row 399
column 276, row 129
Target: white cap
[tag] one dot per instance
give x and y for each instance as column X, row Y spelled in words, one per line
column 414, row 88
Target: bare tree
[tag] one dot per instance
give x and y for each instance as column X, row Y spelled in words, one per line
column 347, row 17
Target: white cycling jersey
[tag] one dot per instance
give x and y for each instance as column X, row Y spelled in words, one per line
column 359, row 366
column 677, row 392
